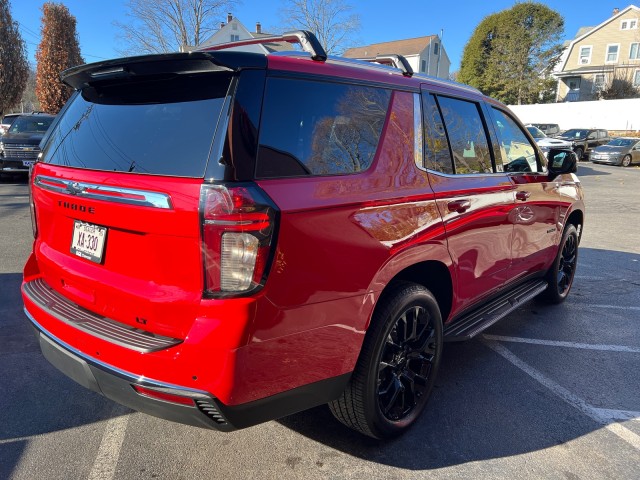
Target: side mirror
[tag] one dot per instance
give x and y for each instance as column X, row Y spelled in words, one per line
column 561, row 161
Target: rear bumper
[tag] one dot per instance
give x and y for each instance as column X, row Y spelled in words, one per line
column 118, row 385
column 196, row 407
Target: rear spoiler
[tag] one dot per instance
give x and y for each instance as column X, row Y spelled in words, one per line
column 162, row 64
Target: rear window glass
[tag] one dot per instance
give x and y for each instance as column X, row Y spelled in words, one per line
column 319, row 128
column 161, row 126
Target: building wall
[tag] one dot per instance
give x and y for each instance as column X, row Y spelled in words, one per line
column 431, row 61
column 609, row 114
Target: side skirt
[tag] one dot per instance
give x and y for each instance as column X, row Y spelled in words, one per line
column 481, row 318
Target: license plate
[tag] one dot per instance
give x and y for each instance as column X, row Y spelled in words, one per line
column 28, row 163
column 88, row 241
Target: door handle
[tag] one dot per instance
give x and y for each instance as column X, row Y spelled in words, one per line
column 459, row 206
column 522, row 195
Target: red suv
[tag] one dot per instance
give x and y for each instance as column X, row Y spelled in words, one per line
column 223, row 238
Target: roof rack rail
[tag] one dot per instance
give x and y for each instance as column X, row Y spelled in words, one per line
column 393, row 59
column 306, row 39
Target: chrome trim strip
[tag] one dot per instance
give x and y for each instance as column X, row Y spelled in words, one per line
column 128, row 376
column 92, row 191
column 98, row 326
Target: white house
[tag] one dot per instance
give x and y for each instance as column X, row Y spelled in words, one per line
column 234, row 30
column 424, row 54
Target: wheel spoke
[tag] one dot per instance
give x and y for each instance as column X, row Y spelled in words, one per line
column 393, row 391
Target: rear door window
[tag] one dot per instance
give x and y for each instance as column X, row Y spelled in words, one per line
column 467, row 136
column 161, row 126
column 319, row 128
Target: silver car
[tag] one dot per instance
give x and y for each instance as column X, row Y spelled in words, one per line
column 619, row 151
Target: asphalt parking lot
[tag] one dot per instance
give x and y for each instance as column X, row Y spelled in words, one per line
column 549, row 392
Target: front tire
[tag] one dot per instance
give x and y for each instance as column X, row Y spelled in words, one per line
column 626, row 161
column 561, row 274
column 397, row 367
column 579, row 153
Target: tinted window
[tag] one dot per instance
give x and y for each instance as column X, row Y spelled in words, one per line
column 467, row 136
column 31, row 124
column 436, row 148
column 319, row 128
column 163, row 126
column 518, row 155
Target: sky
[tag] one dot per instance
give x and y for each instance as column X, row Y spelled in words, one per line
column 381, row 20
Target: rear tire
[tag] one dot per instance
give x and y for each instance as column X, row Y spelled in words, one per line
column 397, row 367
column 561, row 274
column 579, row 153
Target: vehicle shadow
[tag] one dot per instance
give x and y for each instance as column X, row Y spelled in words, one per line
column 585, row 170
column 484, row 407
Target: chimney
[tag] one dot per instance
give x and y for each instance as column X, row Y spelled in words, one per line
column 221, row 25
column 616, row 11
column 229, row 17
column 258, row 27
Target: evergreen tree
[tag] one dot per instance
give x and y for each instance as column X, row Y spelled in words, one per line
column 14, row 69
column 511, row 53
column 58, row 50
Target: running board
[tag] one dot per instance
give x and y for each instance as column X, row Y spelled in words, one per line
column 483, row 317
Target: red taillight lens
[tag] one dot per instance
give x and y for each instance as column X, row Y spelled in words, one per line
column 238, row 225
column 164, row 396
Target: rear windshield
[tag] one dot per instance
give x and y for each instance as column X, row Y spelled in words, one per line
column 162, row 126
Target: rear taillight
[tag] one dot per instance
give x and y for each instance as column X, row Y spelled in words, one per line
column 237, row 235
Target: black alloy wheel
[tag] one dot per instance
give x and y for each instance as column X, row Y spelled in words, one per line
column 405, row 364
column 626, row 161
column 561, row 274
column 398, row 364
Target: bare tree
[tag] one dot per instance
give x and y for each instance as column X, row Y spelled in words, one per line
column 161, row 26
column 332, row 21
column 619, row 85
column 14, row 68
column 58, row 50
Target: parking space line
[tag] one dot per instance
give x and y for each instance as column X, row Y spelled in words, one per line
column 595, row 414
column 597, row 305
column 555, row 343
column 104, row 466
column 620, row 415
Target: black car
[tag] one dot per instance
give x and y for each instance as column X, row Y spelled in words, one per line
column 20, row 145
column 585, row 139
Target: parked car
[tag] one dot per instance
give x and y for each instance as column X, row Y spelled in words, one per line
column 619, row 151
column 549, row 129
column 547, row 143
column 7, row 120
column 584, row 140
column 19, row 146
column 224, row 238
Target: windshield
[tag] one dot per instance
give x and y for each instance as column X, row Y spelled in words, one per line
column 535, row 132
column 32, row 124
column 575, row 133
column 621, row 142
column 161, row 126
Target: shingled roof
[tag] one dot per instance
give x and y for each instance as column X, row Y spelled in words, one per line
column 410, row 46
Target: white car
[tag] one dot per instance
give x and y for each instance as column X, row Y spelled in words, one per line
column 547, row 143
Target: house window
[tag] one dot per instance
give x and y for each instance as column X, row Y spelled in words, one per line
column 634, row 52
column 598, row 81
column 436, row 48
column 423, row 66
column 628, row 24
column 585, row 55
column 612, row 53
column 235, row 38
column 636, row 78
column 574, row 84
